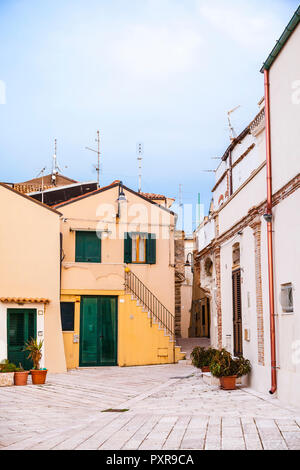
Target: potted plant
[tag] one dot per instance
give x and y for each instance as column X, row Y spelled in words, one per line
column 7, row 372
column 35, row 354
column 21, row 376
column 201, row 358
column 228, row 369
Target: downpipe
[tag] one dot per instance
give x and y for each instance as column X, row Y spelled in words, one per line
column 269, row 219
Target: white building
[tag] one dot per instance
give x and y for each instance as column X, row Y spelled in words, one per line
column 248, row 251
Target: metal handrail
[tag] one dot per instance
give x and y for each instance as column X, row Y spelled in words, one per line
column 156, row 309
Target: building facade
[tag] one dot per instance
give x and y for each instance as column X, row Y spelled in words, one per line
column 117, row 281
column 30, row 280
column 247, row 250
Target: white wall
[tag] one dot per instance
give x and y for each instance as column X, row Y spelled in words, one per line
column 285, row 112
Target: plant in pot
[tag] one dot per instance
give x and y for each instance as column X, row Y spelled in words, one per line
column 228, row 369
column 21, row 376
column 201, row 358
column 35, row 354
column 7, row 372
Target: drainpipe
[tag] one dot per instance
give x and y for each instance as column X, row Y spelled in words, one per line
column 269, row 219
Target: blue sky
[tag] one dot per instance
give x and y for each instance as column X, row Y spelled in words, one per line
column 163, row 72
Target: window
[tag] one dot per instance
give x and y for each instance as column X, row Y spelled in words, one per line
column 286, row 298
column 67, row 316
column 140, row 248
column 88, row 248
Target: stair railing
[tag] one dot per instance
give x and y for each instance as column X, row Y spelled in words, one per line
column 150, row 302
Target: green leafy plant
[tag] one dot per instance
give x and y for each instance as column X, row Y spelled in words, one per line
column 35, row 352
column 20, row 368
column 202, row 357
column 6, row 366
column 224, row 365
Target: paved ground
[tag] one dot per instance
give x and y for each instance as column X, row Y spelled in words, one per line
column 169, row 408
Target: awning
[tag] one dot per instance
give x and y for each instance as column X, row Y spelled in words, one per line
column 24, row 300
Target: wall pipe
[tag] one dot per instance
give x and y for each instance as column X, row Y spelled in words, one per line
column 269, row 219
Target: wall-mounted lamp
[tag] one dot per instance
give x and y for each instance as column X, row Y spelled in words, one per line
column 268, row 218
column 190, row 261
column 121, row 199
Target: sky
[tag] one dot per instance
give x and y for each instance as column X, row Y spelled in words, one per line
column 160, row 72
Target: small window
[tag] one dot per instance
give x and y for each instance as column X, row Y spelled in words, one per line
column 88, row 248
column 286, row 298
column 140, row 248
column 67, row 316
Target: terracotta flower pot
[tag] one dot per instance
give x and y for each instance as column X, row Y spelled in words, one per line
column 205, row 369
column 38, row 376
column 228, row 383
column 20, row 378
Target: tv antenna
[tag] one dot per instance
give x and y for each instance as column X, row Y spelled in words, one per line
column 232, row 133
column 98, row 161
column 42, row 174
column 140, row 151
column 55, row 167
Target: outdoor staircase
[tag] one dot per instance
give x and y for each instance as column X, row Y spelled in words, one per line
column 160, row 318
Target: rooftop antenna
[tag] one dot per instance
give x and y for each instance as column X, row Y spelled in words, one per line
column 140, row 159
column 42, row 174
column 232, row 133
column 55, row 167
column 97, row 167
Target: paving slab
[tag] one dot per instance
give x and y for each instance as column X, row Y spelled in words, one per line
column 170, row 407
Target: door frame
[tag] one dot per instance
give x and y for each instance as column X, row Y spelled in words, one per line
column 81, row 329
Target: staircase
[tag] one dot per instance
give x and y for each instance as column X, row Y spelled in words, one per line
column 160, row 317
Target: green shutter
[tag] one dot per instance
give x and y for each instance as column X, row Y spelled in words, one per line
column 79, row 258
column 151, row 248
column 88, row 247
column 127, row 248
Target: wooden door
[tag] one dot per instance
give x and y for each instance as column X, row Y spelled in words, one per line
column 98, row 331
column 21, row 327
column 237, row 313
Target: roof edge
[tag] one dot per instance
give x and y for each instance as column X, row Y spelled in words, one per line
column 292, row 25
column 30, row 199
column 107, row 188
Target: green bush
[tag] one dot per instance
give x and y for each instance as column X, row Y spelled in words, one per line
column 202, row 357
column 6, row 366
column 224, row 365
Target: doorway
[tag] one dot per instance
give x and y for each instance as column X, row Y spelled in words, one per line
column 21, row 327
column 237, row 313
column 98, row 331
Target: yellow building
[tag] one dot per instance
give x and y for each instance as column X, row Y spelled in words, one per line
column 30, row 280
column 117, row 279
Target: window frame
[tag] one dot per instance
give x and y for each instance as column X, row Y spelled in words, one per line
column 139, row 236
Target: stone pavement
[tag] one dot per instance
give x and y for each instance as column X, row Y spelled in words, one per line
column 169, row 408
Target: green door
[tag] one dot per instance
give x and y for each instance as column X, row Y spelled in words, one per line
column 98, row 331
column 21, row 327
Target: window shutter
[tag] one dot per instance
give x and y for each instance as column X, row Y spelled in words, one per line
column 151, row 248
column 88, row 247
column 92, row 248
column 127, row 248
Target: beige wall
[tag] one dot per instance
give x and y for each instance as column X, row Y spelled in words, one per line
column 30, row 267
column 98, row 211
